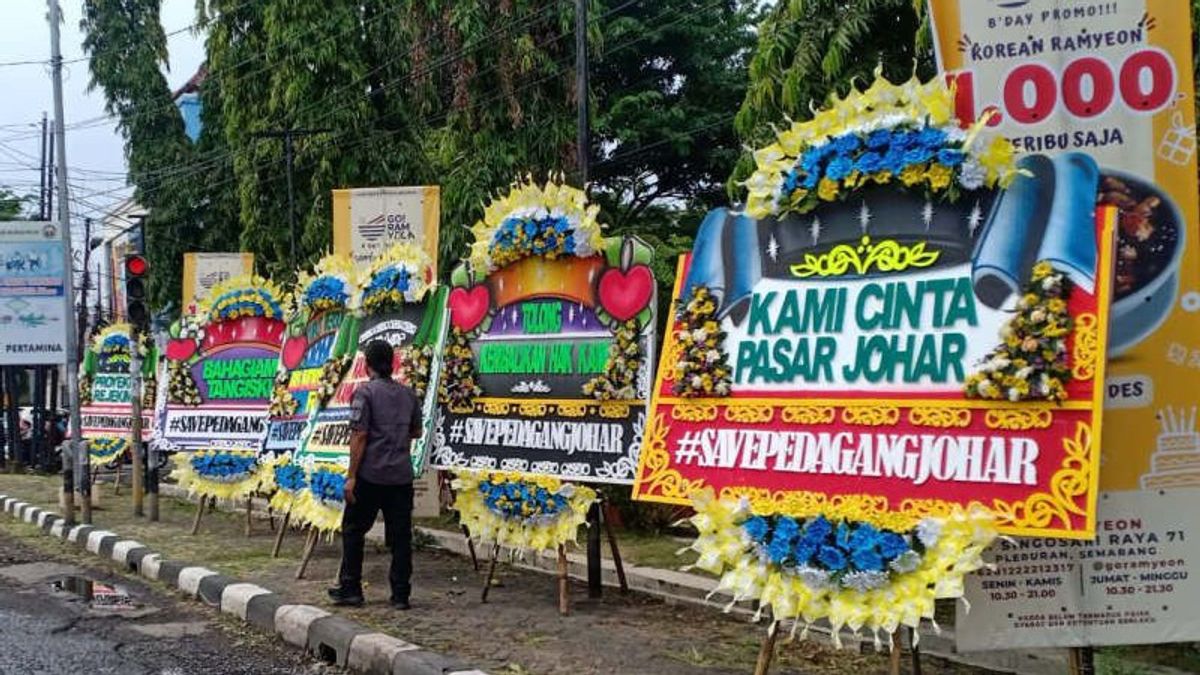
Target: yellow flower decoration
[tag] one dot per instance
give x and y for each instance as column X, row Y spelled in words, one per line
column 527, row 199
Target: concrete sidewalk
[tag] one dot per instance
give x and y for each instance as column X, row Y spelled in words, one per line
column 325, row 635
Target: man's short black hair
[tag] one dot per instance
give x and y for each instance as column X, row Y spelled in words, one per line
column 379, row 357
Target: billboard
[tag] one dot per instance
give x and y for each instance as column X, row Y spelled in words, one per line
column 1112, row 80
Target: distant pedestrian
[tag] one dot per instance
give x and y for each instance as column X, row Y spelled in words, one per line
column 385, row 418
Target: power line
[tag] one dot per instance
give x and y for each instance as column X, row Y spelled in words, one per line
column 207, row 164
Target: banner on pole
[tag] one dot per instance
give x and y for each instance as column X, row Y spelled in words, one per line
column 202, row 271
column 35, row 313
column 1112, row 80
column 369, row 221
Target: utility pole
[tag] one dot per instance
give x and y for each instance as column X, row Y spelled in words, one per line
column 289, row 158
column 135, row 427
column 43, row 213
column 79, row 455
column 582, row 142
column 583, row 137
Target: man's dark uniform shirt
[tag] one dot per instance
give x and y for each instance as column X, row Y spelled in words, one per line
column 389, row 413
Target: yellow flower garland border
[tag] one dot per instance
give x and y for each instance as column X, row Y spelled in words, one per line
column 484, row 525
column 905, row 600
column 1036, row 515
column 196, row 485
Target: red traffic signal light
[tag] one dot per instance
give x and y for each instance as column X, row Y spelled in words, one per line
column 135, row 265
column 135, row 289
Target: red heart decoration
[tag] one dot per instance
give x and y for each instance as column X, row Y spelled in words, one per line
column 624, row 294
column 293, row 351
column 468, row 306
column 181, row 349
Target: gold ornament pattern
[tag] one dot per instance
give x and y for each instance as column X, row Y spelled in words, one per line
column 614, row 411
column 804, row 414
column 694, row 412
column 942, row 418
column 1018, row 420
column 871, row 415
column 758, row 414
column 532, row 409
column 1086, row 350
column 886, row 255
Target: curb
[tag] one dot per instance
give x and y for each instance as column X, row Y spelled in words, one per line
column 327, row 637
column 675, row 587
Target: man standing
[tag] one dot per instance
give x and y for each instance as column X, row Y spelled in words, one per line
column 385, row 417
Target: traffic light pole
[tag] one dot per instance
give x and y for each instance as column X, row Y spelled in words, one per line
column 78, row 452
column 135, row 427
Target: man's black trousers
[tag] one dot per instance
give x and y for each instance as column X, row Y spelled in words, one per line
column 396, row 502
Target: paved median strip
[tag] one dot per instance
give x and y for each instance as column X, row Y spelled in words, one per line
column 326, row 636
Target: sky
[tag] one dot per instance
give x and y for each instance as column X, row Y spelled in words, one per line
column 95, row 155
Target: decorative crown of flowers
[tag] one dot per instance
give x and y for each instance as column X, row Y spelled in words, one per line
column 904, row 133
column 553, row 220
column 331, row 284
column 401, row 274
column 242, row 296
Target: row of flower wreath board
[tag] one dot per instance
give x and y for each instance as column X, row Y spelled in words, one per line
column 610, row 308
column 812, row 558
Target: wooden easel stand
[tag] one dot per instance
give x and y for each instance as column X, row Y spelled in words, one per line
column 212, row 502
column 279, row 535
column 766, row 651
column 487, row 582
column 309, row 546
column 564, row 590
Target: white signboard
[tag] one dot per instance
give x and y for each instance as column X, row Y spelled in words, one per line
column 34, row 309
column 367, row 221
column 1132, row 584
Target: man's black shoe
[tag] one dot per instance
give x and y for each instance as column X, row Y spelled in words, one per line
column 401, row 605
column 342, row 598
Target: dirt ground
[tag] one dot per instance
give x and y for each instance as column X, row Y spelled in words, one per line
column 518, row 631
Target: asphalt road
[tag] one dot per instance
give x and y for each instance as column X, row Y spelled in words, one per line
column 45, row 628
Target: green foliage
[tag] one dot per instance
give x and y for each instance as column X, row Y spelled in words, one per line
column 465, row 94
column 809, row 49
column 662, row 131
column 12, row 205
column 127, row 49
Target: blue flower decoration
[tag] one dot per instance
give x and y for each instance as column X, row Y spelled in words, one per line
column 839, row 167
column 892, row 545
column 867, row 560
column 950, row 158
column 757, row 528
column 832, row 558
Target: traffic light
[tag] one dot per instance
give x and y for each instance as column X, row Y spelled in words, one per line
column 135, row 290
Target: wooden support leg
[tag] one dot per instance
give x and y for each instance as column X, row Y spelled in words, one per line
column 279, row 536
column 564, row 589
column 616, row 553
column 916, row 653
column 249, row 515
column 309, row 547
column 766, row 652
column 471, row 548
column 894, row 657
column 270, row 518
column 491, row 573
column 199, row 514
column 117, row 480
column 1082, row 661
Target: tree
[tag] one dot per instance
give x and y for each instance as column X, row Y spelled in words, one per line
column 663, row 128
column 12, row 205
column 466, row 94
column 127, row 48
column 809, row 49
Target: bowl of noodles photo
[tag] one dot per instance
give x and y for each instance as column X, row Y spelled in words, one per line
column 1148, row 253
